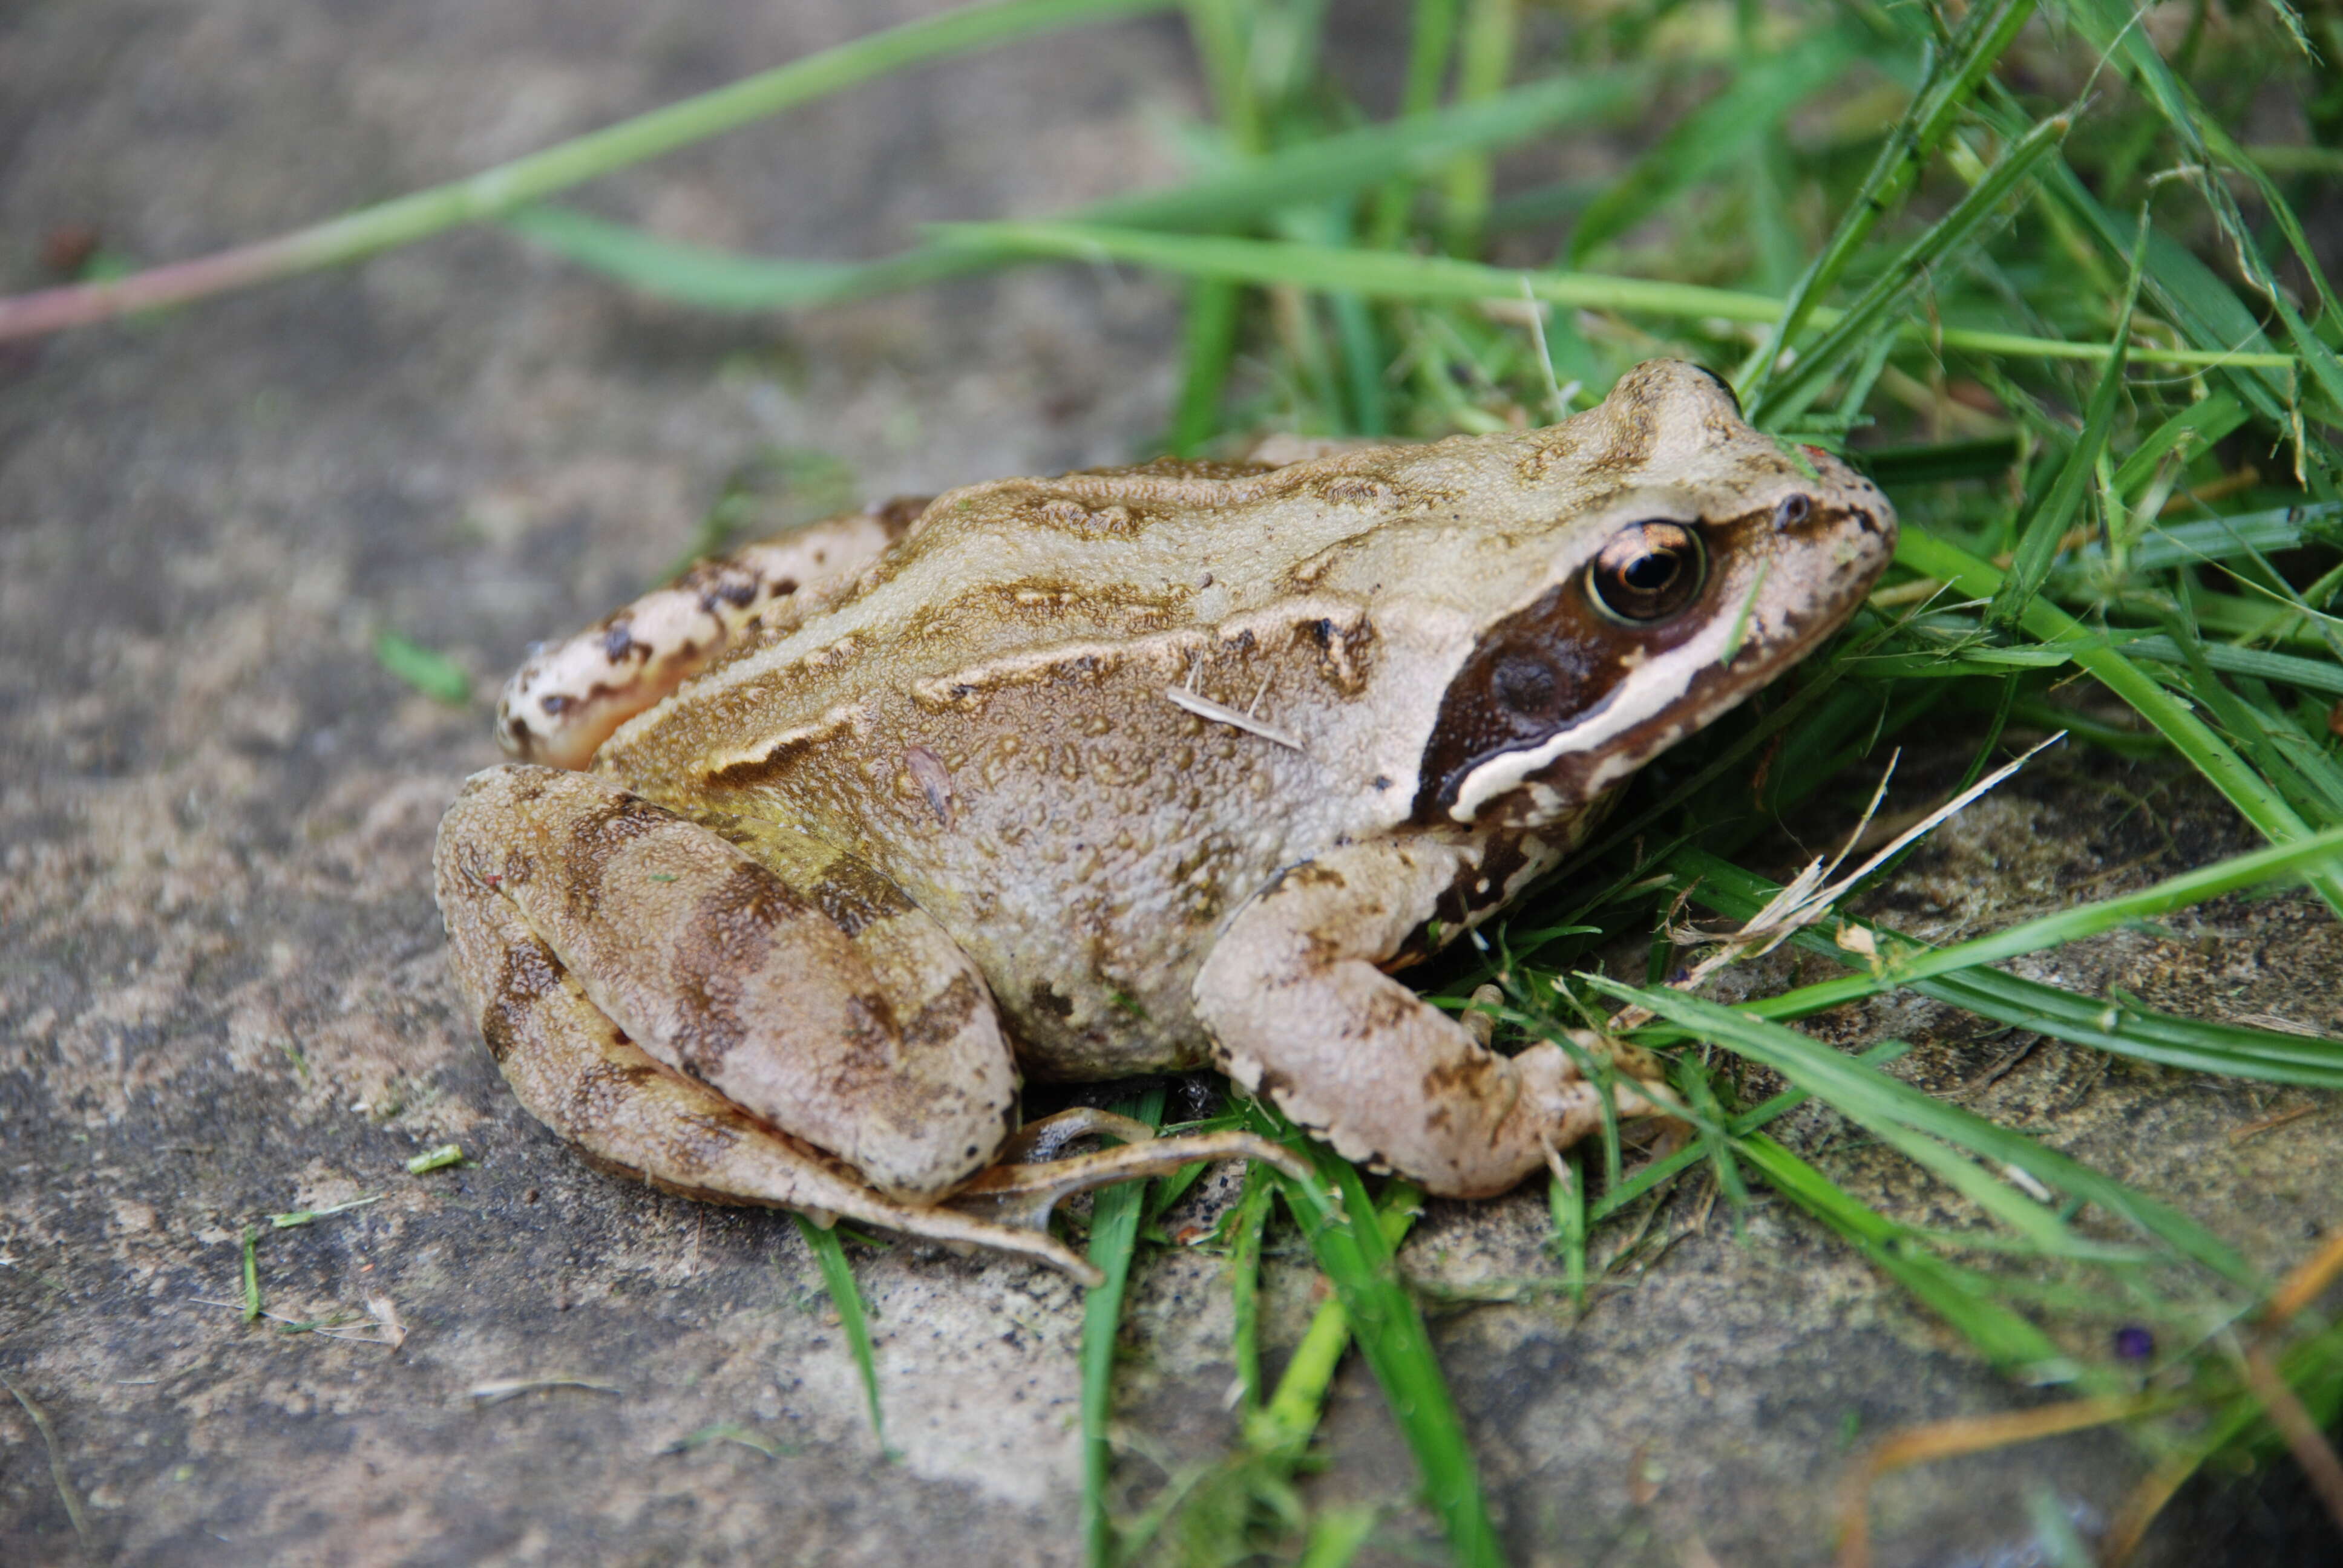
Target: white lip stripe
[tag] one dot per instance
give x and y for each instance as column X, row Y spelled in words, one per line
column 1504, row 773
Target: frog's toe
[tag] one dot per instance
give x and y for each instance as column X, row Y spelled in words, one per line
column 1024, row 1193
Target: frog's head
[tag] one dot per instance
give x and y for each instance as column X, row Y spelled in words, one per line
column 1686, row 560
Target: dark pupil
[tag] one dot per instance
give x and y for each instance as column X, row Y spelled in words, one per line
column 1650, row 573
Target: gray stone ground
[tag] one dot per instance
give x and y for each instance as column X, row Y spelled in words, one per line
column 222, row 987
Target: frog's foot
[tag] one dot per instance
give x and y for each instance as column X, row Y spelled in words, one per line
column 1300, row 1013
column 570, row 695
column 1031, row 1180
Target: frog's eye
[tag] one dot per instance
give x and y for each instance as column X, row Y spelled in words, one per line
column 1646, row 572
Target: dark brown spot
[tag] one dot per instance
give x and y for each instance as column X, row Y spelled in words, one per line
column 856, row 896
column 620, row 642
column 945, row 1014
column 598, row 1090
column 1465, row 1079
column 869, row 1028
column 1048, row 1001
column 530, row 973
column 1358, row 491
column 898, row 515
column 730, row 937
column 734, row 921
column 600, row 834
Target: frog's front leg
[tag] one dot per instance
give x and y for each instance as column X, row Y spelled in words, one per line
column 1299, row 1011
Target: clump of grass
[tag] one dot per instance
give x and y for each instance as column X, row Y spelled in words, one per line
column 2014, row 260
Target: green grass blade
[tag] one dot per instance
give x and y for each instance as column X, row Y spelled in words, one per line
column 1988, row 31
column 1114, row 1238
column 426, row 669
column 712, row 279
column 1386, row 274
column 2248, row 728
column 2038, row 537
column 1337, row 167
column 1330, row 169
column 1888, row 296
column 2223, row 538
column 2183, row 289
column 1246, row 1230
column 1293, row 1412
column 2002, row 1336
column 2123, row 1027
column 1870, row 1098
column 1390, row 1333
column 1431, row 37
column 1220, row 29
column 506, row 187
column 2260, row 804
column 2111, row 24
column 1484, row 62
column 1566, row 1202
column 1649, row 1175
column 2232, row 875
column 2198, row 425
column 1337, row 1534
column 1714, row 136
column 838, row 1279
column 1209, row 345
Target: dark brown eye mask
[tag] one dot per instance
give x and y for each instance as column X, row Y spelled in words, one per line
column 1557, row 662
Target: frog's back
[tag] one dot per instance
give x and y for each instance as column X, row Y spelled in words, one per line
column 1078, row 719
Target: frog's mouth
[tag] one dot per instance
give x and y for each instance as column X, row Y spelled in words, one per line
column 1609, row 697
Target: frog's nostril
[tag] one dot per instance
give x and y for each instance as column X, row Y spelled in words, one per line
column 1794, row 510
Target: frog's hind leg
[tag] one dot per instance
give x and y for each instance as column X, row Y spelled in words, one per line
column 570, row 695
column 583, row 1076
column 835, row 1011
